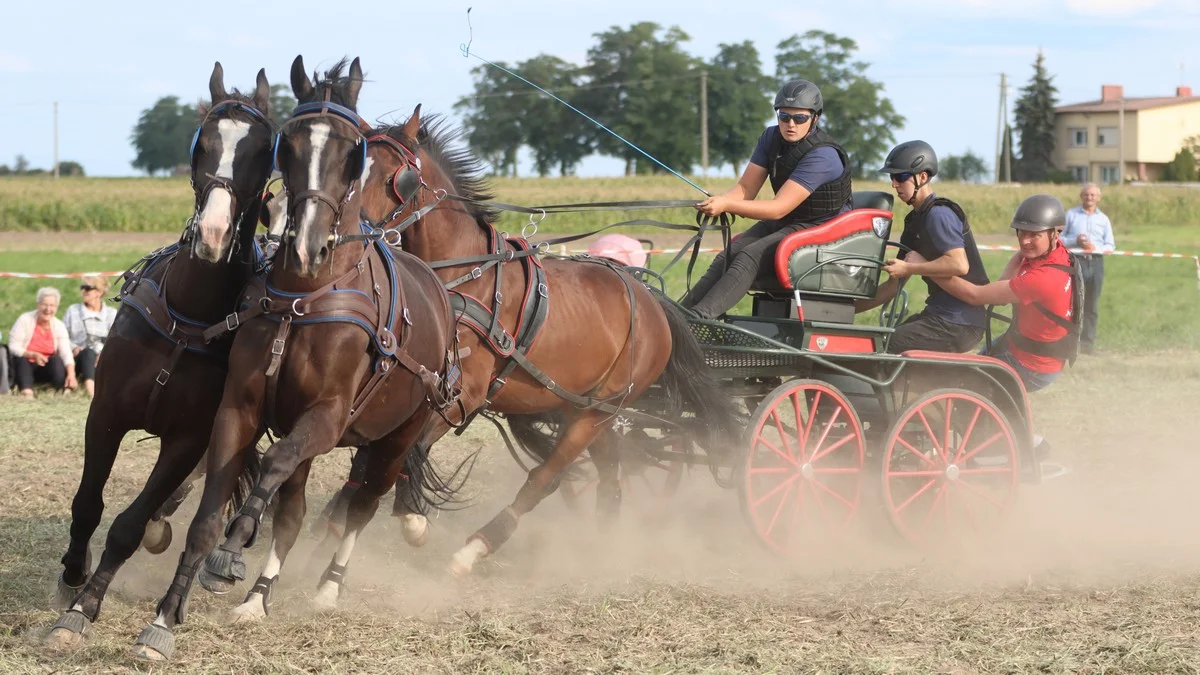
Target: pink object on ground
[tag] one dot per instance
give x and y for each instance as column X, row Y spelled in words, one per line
column 621, row 248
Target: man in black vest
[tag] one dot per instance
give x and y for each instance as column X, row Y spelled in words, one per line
column 810, row 174
column 938, row 230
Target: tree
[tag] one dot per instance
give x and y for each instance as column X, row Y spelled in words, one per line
column 492, row 116
column 856, row 114
column 162, row 135
column 558, row 138
column 70, row 169
column 21, row 166
column 1182, row 169
column 1035, row 124
column 738, row 99
column 967, row 167
column 281, row 104
column 645, row 88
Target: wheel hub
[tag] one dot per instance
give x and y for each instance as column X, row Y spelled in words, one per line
column 807, row 471
column 952, row 472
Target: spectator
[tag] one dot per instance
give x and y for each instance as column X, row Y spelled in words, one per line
column 5, row 383
column 41, row 348
column 1089, row 229
column 88, row 323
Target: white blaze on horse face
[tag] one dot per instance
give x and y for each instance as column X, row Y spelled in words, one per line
column 278, row 210
column 320, row 136
column 216, row 214
column 362, row 183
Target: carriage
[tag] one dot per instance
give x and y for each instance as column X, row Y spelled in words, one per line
column 938, row 443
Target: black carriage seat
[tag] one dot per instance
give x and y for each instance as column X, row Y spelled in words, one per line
column 830, row 266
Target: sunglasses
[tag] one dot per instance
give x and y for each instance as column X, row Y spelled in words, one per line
column 85, row 287
column 798, row 118
column 901, row 177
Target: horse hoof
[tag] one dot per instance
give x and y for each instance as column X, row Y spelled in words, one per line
column 416, row 530
column 70, row 630
column 158, row 536
column 215, row 584
column 459, row 570
column 250, row 611
column 221, row 571
column 64, row 595
column 155, row 643
column 326, row 600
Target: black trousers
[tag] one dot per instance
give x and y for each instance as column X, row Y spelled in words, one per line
column 926, row 331
column 27, row 374
column 1092, row 267
column 85, row 364
column 719, row 290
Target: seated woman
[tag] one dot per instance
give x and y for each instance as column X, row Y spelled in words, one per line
column 88, row 323
column 41, row 348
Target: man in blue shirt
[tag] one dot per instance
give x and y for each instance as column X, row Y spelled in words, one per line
column 1089, row 229
column 810, row 174
column 937, row 229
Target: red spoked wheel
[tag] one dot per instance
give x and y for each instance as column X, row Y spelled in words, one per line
column 801, row 479
column 949, row 467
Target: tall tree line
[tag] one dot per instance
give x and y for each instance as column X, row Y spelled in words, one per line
column 641, row 82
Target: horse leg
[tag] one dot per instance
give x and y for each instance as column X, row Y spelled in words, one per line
column 333, row 516
column 177, row 456
column 315, row 432
column 158, row 531
column 290, row 507
column 605, row 453
column 234, row 429
column 384, row 466
column 580, row 430
column 101, row 442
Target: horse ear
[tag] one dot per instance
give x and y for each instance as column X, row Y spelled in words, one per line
column 262, row 92
column 413, row 125
column 302, row 87
column 355, row 84
column 216, row 84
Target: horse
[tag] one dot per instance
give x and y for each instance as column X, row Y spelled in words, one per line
column 578, row 336
column 343, row 343
column 157, row 373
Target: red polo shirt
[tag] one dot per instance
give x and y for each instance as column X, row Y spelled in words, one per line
column 1036, row 281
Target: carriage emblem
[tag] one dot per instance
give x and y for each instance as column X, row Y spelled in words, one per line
column 822, row 343
column 882, row 226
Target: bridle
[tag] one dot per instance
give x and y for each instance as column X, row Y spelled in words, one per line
column 220, row 182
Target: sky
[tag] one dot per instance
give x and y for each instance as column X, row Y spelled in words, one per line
column 939, row 61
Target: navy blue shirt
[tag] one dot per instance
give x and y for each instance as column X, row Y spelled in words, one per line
column 820, row 166
column 945, row 232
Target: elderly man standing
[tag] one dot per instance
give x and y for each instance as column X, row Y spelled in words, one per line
column 1089, row 229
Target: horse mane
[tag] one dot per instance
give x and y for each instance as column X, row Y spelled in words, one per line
column 334, row 81
column 466, row 172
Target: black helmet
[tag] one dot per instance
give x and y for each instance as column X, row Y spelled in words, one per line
column 911, row 157
column 800, row 94
column 1038, row 214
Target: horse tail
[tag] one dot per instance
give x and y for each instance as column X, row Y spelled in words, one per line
column 247, row 479
column 690, row 384
column 423, row 488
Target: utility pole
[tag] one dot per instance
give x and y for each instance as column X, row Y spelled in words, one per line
column 1121, row 142
column 1001, row 123
column 56, row 140
column 704, row 121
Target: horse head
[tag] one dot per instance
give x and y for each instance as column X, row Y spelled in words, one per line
column 230, row 161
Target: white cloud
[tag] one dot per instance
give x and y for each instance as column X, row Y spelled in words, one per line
column 11, row 63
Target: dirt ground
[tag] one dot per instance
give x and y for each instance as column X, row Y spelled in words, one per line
column 1097, row 570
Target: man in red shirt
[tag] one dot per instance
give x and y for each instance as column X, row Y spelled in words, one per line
column 1038, row 283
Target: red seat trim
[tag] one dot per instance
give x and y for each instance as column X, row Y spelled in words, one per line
column 851, row 222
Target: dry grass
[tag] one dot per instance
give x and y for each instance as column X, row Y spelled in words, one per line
column 1097, row 573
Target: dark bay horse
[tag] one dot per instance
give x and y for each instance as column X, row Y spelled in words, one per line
column 576, row 336
column 157, row 373
column 344, row 343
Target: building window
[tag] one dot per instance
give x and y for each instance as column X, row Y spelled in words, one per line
column 1077, row 137
column 1078, row 173
column 1109, row 173
column 1106, row 137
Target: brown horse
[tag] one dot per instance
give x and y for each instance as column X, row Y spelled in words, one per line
column 578, row 336
column 343, row 343
column 157, row 373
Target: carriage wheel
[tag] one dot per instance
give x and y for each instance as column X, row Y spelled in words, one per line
column 802, row 474
column 949, row 466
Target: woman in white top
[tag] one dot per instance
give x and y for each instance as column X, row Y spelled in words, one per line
column 40, row 346
column 88, row 323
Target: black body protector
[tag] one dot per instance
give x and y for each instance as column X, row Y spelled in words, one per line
column 914, row 237
column 827, row 200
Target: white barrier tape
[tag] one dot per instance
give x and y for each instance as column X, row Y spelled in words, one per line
column 71, row 275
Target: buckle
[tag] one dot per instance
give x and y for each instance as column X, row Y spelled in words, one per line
column 543, row 290
column 232, row 322
column 277, row 348
column 163, row 376
column 499, row 298
column 476, row 273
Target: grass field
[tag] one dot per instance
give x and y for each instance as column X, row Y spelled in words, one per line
column 1097, row 571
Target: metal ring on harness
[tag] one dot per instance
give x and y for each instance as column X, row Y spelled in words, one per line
column 531, row 228
column 388, row 240
column 295, row 309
